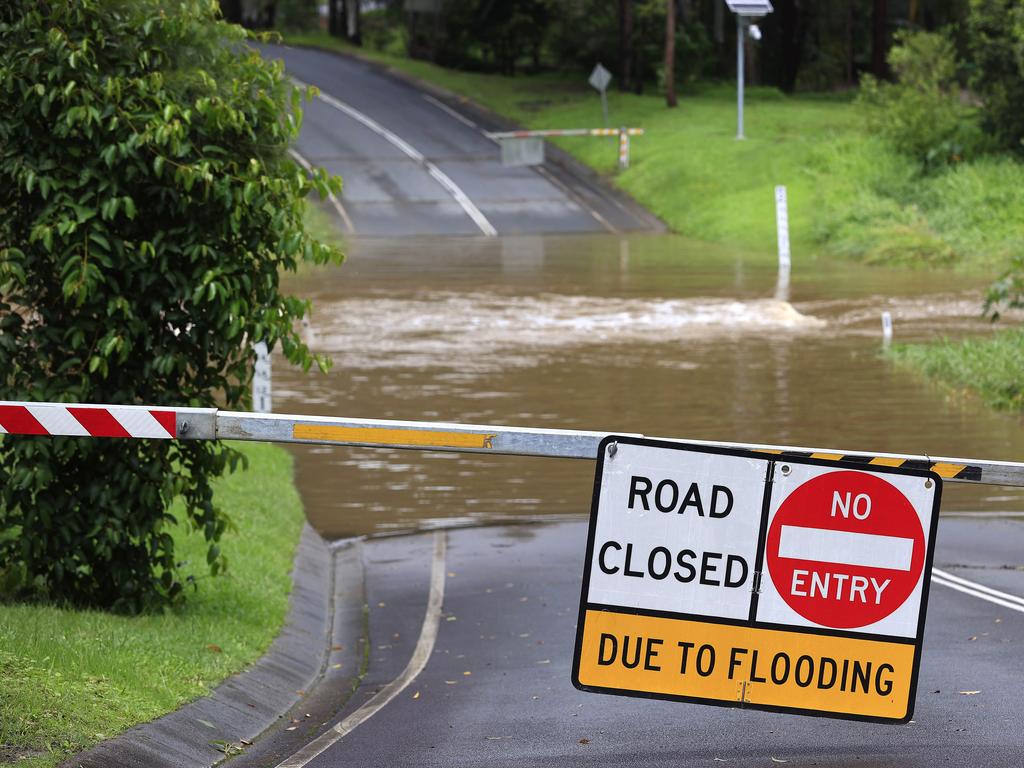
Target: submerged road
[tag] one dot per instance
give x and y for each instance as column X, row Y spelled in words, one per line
column 493, row 687
column 415, row 163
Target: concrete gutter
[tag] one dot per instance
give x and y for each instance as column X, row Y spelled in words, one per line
column 247, row 704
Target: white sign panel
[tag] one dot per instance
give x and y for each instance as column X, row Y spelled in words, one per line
column 677, row 531
column 600, row 78
column 261, row 387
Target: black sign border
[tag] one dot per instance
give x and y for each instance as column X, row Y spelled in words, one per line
column 602, row 453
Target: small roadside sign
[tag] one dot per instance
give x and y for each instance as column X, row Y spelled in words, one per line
column 599, row 80
column 748, row 579
column 261, row 381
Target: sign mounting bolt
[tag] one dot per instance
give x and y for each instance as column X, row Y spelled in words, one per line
column 613, row 448
column 928, row 483
column 785, row 469
column 183, row 429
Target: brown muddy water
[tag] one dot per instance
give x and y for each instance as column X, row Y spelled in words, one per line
column 652, row 334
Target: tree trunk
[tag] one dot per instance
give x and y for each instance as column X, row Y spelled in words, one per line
column 670, row 53
column 625, row 44
column 332, row 18
column 879, row 37
column 353, row 26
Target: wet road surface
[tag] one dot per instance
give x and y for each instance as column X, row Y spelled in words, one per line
column 413, row 164
column 496, row 689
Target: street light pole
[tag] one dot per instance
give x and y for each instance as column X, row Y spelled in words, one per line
column 741, row 28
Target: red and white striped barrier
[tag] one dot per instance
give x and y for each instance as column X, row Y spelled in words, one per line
column 139, row 421
column 75, row 420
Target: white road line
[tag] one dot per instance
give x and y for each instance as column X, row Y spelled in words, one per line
column 420, row 656
column 331, row 197
column 955, row 580
column 461, row 118
column 397, row 141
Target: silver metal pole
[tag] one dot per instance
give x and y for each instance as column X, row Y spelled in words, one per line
column 741, row 28
column 113, row 421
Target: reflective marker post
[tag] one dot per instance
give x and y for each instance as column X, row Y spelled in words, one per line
column 27, row 418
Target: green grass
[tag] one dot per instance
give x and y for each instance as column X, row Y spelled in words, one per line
column 849, row 194
column 993, row 368
column 72, row 678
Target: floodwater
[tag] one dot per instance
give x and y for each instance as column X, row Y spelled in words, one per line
column 652, row 334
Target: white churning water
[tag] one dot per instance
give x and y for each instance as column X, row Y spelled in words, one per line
column 444, row 329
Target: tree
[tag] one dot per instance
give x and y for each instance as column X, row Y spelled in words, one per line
column 995, row 33
column 670, row 53
column 147, row 209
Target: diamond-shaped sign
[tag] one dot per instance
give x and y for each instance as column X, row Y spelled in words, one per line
column 600, row 78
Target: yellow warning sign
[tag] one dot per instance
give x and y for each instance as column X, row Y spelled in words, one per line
column 735, row 665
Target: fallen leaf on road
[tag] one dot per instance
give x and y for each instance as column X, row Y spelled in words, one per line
column 546, row 661
column 779, row 760
column 497, row 738
column 467, row 673
column 291, row 727
column 972, row 638
column 584, row 741
column 337, row 647
column 450, row 682
column 968, row 693
column 416, row 695
column 207, row 723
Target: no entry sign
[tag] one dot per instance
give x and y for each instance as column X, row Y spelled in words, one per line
column 754, row 580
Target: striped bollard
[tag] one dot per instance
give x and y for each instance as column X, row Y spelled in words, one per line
column 623, row 148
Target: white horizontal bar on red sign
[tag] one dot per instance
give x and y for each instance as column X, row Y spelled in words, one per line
column 131, row 421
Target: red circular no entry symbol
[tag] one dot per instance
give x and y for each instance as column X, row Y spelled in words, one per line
column 845, row 549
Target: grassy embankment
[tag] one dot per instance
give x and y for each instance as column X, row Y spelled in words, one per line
column 850, row 194
column 71, row 678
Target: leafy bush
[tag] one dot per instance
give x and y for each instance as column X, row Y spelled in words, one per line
column 921, row 113
column 148, row 205
column 995, row 35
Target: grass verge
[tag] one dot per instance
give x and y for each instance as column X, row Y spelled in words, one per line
column 849, row 193
column 990, row 367
column 73, row 678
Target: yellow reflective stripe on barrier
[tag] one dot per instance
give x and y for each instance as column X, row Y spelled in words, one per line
column 381, row 436
column 829, row 456
column 948, row 470
column 886, row 461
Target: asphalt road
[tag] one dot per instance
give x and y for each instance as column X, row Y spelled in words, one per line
column 496, row 690
column 414, row 163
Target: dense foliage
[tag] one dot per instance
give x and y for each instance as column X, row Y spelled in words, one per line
column 147, row 207
column 921, row 113
column 996, row 41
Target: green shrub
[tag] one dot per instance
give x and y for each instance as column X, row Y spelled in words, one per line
column 147, row 205
column 921, row 113
column 995, row 36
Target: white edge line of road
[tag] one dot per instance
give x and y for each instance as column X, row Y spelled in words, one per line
column 406, row 148
column 420, row 656
column 331, row 197
column 978, row 590
column 540, row 169
column 461, row 118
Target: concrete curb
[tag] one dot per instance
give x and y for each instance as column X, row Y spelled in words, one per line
column 247, row 704
column 581, row 180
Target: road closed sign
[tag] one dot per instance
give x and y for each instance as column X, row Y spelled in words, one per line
column 747, row 579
